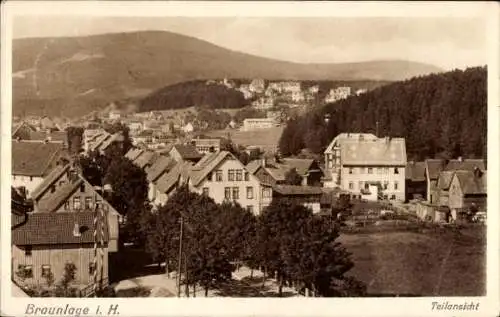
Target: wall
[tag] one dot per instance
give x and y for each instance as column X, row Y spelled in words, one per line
column 264, row 176
column 378, row 175
column 216, row 190
column 57, row 256
column 30, row 183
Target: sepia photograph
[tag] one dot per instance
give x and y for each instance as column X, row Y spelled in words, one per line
column 233, row 156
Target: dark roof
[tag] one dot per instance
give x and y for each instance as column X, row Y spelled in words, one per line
column 145, row 158
column 49, row 180
column 472, row 184
column 59, row 136
column 302, row 166
column 292, row 190
column 465, row 165
column 163, row 164
column 433, row 167
column 59, row 197
column 55, row 228
column 415, row 171
column 34, row 158
column 188, row 152
column 169, row 179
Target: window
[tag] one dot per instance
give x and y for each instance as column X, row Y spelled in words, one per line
column 230, row 175
column 393, row 197
column 31, row 178
column 395, row 185
column 250, row 208
column 92, row 267
column 367, row 186
column 236, row 193
column 386, row 184
column 386, row 170
column 227, row 193
column 239, row 175
column 249, row 192
column 82, row 188
column 370, row 170
column 88, row 202
column 385, row 197
column 209, row 176
column 350, row 170
column 66, row 205
column 360, row 185
column 205, row 191
column 76, row 203
column 218, row 176
column 351, row 185
column 396, row 170
column 45, row 270
column 27, row 250
column 247, row 176
column 52, row 188
column 266, row 192
column 26, row 269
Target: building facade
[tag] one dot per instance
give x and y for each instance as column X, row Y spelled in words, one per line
column 250, row 124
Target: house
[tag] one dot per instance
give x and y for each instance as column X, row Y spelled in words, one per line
column 135, row 126
column 167, row 183
column 45, row 242
column 205, row 146
column 360, row 91
column 308, row 196
column 47, row 123
column 65, row 190
column 161, row 166
column 332, row 156
column 257, row 85
column 33, row 161
column 366, row 164
column 101, row 141
column 443, row 187
column 273, row 171
column 146, row 159
column 251, row 124
column 416, row 184
column 188, row 128
column 223, row 177
column 22, row 131
column 263, row 103
column 185, row 152
column 338, row 94
column 114, row 115
column 468, row 192
column 434, row 166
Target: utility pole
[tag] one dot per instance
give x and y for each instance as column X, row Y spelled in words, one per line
column 376, row 133
column 179, row 267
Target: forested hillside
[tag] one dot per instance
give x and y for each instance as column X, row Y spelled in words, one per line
column 440, row 115
column 193, row 94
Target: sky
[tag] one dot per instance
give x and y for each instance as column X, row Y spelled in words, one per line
column 446, row 42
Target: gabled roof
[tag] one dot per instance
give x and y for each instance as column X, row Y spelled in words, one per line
column 55, row 136
column 301, row 165
column 49, row 180
column 145, row 158
column 253, row 166
column 466, row 165
column 384, row 151
column 433, row 167
column 292, row 190
column 56, row 228
column 207, row 165
column 57, row 199
column 117, row 137
column 132, row 154
column 188, row 152
column 349, row 136
column 34, row 158
column 415, row 171
column 444, row 180
column 169, row 179
column 472, row 184
column 163, row 164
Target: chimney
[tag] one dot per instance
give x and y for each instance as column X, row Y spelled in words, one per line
column 76, row 230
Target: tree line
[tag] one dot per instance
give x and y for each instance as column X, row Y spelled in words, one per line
column 287, row 242
column 440, row 116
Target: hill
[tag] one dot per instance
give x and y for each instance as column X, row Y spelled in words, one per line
column 440, row 115
column 74, row 76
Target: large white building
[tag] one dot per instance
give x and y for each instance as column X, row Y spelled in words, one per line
column 250, row 124
column 338, row 94
column 361, row 163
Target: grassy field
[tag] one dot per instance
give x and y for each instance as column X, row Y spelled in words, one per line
column 267, row 139
column 420, row 264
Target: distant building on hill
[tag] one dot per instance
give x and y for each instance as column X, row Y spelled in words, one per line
column 257, row 85
column 338, row 94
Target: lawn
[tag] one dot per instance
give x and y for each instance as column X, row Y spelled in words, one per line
column 420, row 264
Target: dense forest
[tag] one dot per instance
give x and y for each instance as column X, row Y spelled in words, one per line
column 193, row 94
column 440, row 115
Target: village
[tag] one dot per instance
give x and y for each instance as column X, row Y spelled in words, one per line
column 82, row 227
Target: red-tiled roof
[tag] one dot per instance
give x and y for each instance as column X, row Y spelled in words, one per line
column 56, row 228
column 34, row 158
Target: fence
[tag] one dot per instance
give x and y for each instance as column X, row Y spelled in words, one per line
column 44, row 290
